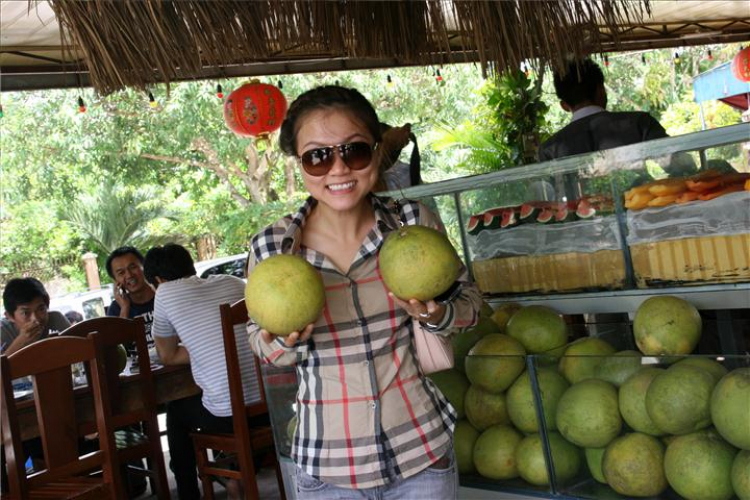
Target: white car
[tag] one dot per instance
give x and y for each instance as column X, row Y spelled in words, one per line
column 91, row 304
column 233, row 265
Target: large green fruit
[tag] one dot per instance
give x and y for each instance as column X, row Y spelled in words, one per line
column 503, row 313
column 699, row 466
column 284, row 293
column 741, row 475
column 495, row 452
column 486, row 310
column 633, row 465
column 462, row 343
column 710, row 366
column 678, row 399
column 520, row 399
column 618, row 368
column 122, row 358
column 495, row 362
column 730, row 407
column 632, row 398
column 539, row 329
column 484, row 409
column 582, row 357
column 464, row 438
column 531, row 462
column 418, row 262
column 667, row 325
column 485, row 326
column 594, row 458
column 588, row 414
column 453, row 384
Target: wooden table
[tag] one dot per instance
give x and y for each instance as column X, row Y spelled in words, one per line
column 172, row 382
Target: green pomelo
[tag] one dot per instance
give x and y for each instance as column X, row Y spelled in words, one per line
column 495, row 362
column 453, row 384
column 464, row 438
column 741, row 475
column 485, row 326
column 495, row 452
column 520, row 399
column 418, row 262
column 632, row 398
column 633, row 465
column 539, row 329
column 730, row 407
column 594, row 458
column 284, row 294
column 462, row 343
column 486, row 310
column 710, row 366
column 699, row 466
column 503, row 313
column 582, row 357
column 678, row 399
column 618, row 368
column 531, row 462
column 122, row 358
column 484, row 409
column 667, row 325
column 588, row 414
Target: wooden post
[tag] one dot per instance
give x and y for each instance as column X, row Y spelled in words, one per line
column 92, row 271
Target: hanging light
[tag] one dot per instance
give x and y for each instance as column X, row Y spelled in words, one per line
column 1, row 111
column 677, row 58
column 643, row 58
column 710, row 56
column 280, row 85
column 81, row 105
column 219, row 92
column 606, row 61
column 389, row 80
column 438, row 76
column 151, row 101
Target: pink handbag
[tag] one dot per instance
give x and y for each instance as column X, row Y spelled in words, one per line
column 434, row 352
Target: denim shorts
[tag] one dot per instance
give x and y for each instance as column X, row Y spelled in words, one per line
column 433, row 483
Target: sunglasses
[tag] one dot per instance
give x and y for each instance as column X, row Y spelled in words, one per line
column 319, row 161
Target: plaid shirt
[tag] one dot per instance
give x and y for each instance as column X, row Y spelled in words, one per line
column 365, row 411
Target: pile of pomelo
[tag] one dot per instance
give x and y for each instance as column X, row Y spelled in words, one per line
column 640, row 422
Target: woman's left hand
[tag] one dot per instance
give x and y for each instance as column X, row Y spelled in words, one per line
column 427, row 312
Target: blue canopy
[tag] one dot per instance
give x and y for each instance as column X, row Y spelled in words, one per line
column 720, row 83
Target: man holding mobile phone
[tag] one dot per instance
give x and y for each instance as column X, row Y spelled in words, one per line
column 134, row 297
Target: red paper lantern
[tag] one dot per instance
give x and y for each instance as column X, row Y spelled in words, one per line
column 741, row 65
column 255, row 109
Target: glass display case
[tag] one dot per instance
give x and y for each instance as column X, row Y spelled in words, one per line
column 587, row 236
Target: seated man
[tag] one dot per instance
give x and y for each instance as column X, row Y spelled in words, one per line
column 134, row 297
column 27, row 318
column 187, row 329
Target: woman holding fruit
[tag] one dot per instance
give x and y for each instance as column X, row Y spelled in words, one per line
column 369, row 422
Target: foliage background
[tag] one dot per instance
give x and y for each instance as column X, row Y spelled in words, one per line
column 68, row 178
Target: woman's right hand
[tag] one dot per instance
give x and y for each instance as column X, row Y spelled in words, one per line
column 289, row 340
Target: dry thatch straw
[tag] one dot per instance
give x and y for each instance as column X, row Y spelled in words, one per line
column 139, row 42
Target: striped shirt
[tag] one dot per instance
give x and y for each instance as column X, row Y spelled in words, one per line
column 189, row 308
column 365, row 411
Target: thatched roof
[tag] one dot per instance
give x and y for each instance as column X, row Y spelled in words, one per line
column 139, row 42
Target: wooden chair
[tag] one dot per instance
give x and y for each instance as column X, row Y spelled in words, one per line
column 135, row 431
column 246, row 441
column 67, row 473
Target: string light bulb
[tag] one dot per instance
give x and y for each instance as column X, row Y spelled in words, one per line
column 710, row 56
column 643, row 58
column 677, row 58
column 606, row 61
column 151, row 101
column 389, row 80
column 81, row 105
column 1, row 111
column 438, row 76
column 219, row 92
column 280, row 85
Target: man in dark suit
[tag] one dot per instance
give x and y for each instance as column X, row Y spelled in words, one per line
column 593, row 128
